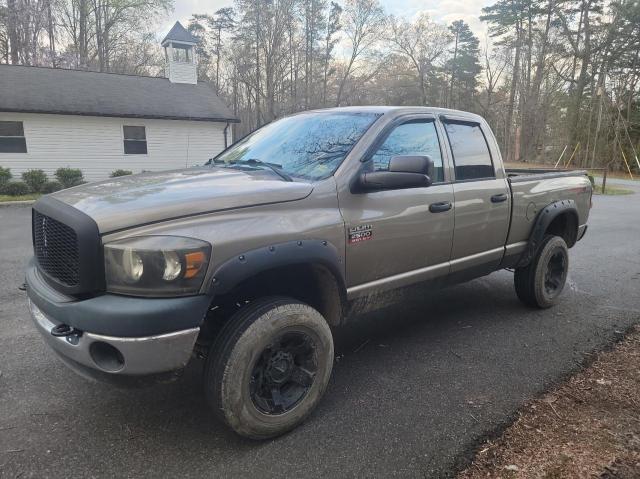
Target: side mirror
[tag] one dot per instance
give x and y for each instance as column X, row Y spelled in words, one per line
column 403, row 172
column 412, row 164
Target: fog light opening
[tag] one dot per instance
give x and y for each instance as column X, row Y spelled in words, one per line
column 106, row 357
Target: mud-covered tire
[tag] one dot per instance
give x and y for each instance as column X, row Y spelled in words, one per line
column 540, row 283
column 243, row 360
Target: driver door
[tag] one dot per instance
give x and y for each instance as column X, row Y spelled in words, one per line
column 397, row 237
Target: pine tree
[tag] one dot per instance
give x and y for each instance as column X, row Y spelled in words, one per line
column 464, row 66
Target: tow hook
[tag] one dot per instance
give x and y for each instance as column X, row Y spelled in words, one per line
column 71, row 334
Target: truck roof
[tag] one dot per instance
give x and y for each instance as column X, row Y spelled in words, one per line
column 400, row 110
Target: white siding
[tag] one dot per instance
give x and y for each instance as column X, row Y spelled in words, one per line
column 95, row 144
column 182, row 72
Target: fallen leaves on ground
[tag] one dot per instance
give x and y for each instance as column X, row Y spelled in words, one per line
column 587, row 427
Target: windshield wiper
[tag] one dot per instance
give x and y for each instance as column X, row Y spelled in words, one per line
column 275, row 167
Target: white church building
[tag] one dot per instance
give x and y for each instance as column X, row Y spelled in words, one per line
column 101, row 122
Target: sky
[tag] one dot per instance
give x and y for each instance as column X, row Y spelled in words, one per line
column 445, row 11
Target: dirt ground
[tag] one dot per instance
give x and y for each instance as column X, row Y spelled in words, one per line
column 587, row 427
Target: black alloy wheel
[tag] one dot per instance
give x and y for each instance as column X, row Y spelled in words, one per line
column 269, row 366
column 283, row 373
column 540, row 283
column 555, row 272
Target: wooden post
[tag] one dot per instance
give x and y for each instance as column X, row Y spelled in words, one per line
column 561, row 155
column 572, row 155
column 604, row 179
column 625, row 161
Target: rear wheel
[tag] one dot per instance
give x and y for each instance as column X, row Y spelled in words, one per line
column 269, row 367
column 540, row 283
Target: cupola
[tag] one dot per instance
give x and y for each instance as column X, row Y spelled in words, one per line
column 180, row 55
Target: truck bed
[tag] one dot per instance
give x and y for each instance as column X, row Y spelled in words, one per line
column 534, row 188
column 528, row 174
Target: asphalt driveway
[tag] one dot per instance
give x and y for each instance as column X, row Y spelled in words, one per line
column 415, row 385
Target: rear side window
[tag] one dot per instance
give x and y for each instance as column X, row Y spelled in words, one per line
column 470, row 151
column 416, row 137
column 12, row 138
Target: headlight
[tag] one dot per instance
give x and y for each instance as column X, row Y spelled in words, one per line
column 156, row 265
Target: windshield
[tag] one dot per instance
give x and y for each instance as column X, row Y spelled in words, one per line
column 308, row 145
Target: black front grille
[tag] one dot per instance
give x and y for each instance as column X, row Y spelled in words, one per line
column 56, row 248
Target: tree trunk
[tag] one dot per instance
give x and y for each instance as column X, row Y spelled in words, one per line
column 346, row 76
column 51, row 34
column 453, row 72
column 218, row 47
column 257, row 33
column 83, row 46
column 325, row 70
column 531, row 117
column 12, row 19
column 99, row 34
column 583, row 78
column 515, row 80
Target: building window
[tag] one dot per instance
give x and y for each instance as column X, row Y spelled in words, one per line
column 135, row 140
column 12, row 138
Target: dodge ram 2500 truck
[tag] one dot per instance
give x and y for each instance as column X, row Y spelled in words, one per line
column 249, row 262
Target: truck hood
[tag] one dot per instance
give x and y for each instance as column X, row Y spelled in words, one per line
column 128, row 201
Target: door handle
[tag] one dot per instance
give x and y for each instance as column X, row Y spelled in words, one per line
column 440, row 207
column 499, row 198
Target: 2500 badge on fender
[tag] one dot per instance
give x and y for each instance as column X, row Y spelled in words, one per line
column 360, row 233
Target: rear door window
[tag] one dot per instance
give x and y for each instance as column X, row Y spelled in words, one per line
column 470, row 151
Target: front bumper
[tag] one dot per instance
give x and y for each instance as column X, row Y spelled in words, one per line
column 110, row 355
column 116, row 336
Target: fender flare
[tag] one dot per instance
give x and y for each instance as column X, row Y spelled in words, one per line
column 247, row 265
column 542, row 222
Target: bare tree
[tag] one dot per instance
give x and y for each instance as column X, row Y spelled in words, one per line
column 422, row 42
column 362, row 20
column 330, row 41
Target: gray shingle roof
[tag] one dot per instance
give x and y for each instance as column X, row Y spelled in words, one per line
column 180, row 34
column 76, row 92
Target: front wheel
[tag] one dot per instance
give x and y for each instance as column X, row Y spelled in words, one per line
column 269, row 367
column 540, row 283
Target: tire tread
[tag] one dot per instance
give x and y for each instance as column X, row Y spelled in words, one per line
column 226, row 340
column 524, row 278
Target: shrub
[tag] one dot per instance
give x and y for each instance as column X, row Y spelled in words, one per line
column 50, row 187
column 592, row 180
column 116, row 173
column 5, row 176
column 16, row 188
column 69, row 177
column 35, row 179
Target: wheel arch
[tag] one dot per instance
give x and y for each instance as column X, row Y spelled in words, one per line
column 559, row 218
column 310, row 271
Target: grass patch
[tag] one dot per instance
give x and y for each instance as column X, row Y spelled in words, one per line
column 29, row 197
column 612, row 190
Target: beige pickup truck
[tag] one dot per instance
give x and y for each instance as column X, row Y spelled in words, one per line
column 248, row 263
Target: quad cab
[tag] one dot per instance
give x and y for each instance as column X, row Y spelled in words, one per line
column 251, row 261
